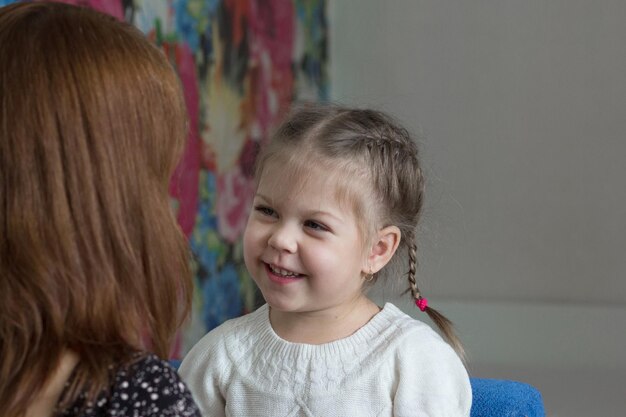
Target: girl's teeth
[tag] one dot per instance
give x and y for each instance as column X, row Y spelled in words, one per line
column 282, row 272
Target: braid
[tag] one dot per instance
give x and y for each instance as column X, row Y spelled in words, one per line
column 442, row 322
column 412, row 246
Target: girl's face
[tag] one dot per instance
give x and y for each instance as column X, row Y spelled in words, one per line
column 302, row 246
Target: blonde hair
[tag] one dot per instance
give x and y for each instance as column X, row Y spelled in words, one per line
column 379, row 171
column 92, row 123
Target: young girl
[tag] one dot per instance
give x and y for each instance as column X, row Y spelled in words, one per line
column 339, row 194
column 94, row 269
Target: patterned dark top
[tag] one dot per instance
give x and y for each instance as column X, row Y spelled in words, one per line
column 149, row 387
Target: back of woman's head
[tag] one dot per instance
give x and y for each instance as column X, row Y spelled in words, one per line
column 92, row 122
column 375, row 163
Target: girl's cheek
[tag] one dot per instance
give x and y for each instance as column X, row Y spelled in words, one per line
column 249, row 239
column 255, row 235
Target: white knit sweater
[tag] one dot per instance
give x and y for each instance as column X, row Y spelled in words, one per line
column 392, row 366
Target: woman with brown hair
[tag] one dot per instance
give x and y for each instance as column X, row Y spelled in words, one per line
column 93, row 267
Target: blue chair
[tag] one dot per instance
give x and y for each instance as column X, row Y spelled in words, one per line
column 501, row 398
column 495, row 398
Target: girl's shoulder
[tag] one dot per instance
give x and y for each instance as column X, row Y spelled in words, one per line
column 414, row 337
column 429, row 371
column 403, row 325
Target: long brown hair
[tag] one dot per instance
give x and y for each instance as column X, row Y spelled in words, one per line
column 92, row 123
column 376, row 162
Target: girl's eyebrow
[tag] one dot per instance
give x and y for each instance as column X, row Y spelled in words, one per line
column 262, row 196
column 315, row 213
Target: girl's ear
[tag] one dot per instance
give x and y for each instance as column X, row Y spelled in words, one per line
column 384, row 247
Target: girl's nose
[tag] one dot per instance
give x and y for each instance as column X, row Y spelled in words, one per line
column 282, row 239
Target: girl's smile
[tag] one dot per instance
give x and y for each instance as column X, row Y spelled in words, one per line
column 303, row 247
column 282, row 276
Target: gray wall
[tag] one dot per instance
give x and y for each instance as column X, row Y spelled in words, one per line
column 522, row 110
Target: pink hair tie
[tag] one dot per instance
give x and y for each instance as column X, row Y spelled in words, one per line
column 421, row 303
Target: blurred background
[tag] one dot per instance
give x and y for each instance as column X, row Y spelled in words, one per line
column 520, row 111
column 520, row 107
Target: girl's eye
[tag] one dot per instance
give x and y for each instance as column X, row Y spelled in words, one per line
column 315, row 226
column 266, row 211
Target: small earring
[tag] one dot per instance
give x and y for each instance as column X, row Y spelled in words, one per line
column 369, row 277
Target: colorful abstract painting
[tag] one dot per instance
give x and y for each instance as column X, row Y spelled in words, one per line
column 242, row 63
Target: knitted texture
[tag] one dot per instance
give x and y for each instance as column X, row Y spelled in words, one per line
column 394, row 365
